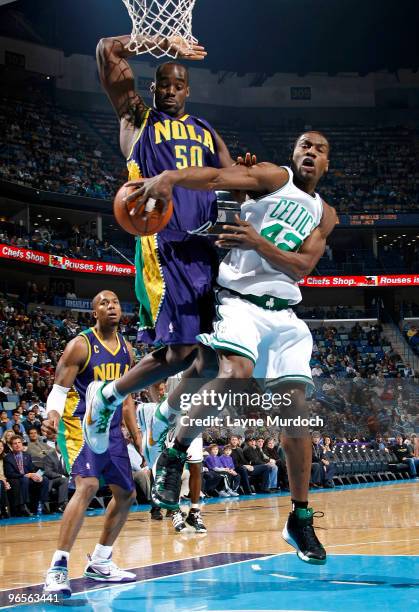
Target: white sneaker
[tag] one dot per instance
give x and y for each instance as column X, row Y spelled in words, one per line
column 97, row 419
column 233, row 493
column 57, row 582
column 178, row 521
column 105, row 570
column 154, row 427
column 223, row 494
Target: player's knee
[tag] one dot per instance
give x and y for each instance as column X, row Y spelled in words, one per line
column 235, row 367
column 87, row 488
column 206, row 363
column 181, row 355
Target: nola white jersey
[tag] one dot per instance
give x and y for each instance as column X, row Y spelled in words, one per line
column 286, row 218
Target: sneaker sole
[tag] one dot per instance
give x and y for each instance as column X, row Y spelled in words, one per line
column 97, row 451
column 146, row 432
column 99, row 578
column 65, row 594
column 289, row 540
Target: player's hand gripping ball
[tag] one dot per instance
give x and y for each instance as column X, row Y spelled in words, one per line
column 149, row 218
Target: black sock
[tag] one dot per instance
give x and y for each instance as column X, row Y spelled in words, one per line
column 180, row 447
column 298, row 504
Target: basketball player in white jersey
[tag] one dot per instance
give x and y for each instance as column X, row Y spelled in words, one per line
column 279, row 238
column 152, row 450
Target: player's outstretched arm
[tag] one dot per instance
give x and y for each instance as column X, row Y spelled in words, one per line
column 72, row 361
column 262, row 178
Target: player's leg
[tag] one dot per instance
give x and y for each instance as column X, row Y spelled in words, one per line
column 169, row 466
column 102, row 399
column 100, row 566
column 195, row 457
column 155, row 421
column 57, row 581
column 288, row 373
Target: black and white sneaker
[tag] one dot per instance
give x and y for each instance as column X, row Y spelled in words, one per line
column 165, row 492
column 194, row 519
column 178, row 521
column 299, row 533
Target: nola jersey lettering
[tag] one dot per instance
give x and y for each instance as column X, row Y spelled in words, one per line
column 101, row 364
column 285, row 218
column 164, row 143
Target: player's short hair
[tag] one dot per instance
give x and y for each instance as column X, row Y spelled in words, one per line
column 312, row 132
column 95, row 299
column 159, row 69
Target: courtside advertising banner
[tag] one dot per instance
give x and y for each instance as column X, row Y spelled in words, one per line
column 121, row 269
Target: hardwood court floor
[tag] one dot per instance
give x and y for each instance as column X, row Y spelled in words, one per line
column 377, row 520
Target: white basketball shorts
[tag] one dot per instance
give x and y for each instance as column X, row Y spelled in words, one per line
column 276, row 341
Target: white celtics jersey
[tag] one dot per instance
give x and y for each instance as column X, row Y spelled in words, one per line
column 285, row 217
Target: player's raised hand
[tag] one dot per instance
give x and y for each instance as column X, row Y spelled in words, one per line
column 184, row 50
column 49, row 426
column 240, row 236
column 248, row 160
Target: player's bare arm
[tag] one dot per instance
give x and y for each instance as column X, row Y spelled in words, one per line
column 128, row 411
column 261, row 178
column 294, row 264
column 71, row 362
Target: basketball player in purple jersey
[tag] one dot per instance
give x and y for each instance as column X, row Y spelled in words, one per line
column 176, row 268
column 98, row 353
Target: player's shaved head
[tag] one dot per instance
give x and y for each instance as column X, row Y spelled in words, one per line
column 98, row 297
column 167, row 67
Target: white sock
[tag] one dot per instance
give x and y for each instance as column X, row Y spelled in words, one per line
column 166, row 411
column 60, row 556
column 101, row 552
column 195, row 506
column 110, row 390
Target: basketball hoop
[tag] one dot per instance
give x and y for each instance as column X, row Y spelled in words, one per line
column 156, row 21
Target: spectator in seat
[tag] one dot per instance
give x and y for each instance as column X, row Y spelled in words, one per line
column 213, row 463
column 322, row 470
column 273, row 452
column 7, row 436
column 6, row 388
column 271, row 463
column 404, row 454
column 255, row 459
column 56, row 472
column 4, row 420
column 24, row 480
column 37, row 449
column 16, row 420
column 4, row 485
column 379, row 443
column 31, row 422
column 226, row 460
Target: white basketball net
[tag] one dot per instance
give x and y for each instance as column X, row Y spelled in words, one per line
column 155, row 21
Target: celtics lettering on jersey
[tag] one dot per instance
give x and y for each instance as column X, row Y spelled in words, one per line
column 285, row 218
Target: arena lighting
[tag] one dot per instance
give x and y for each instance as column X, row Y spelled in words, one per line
column 58, row 218
column 39, row 216
column 47, row 220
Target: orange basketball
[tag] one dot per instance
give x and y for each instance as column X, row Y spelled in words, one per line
column 148, row 220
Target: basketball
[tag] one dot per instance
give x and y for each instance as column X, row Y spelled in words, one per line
column 151, row 217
